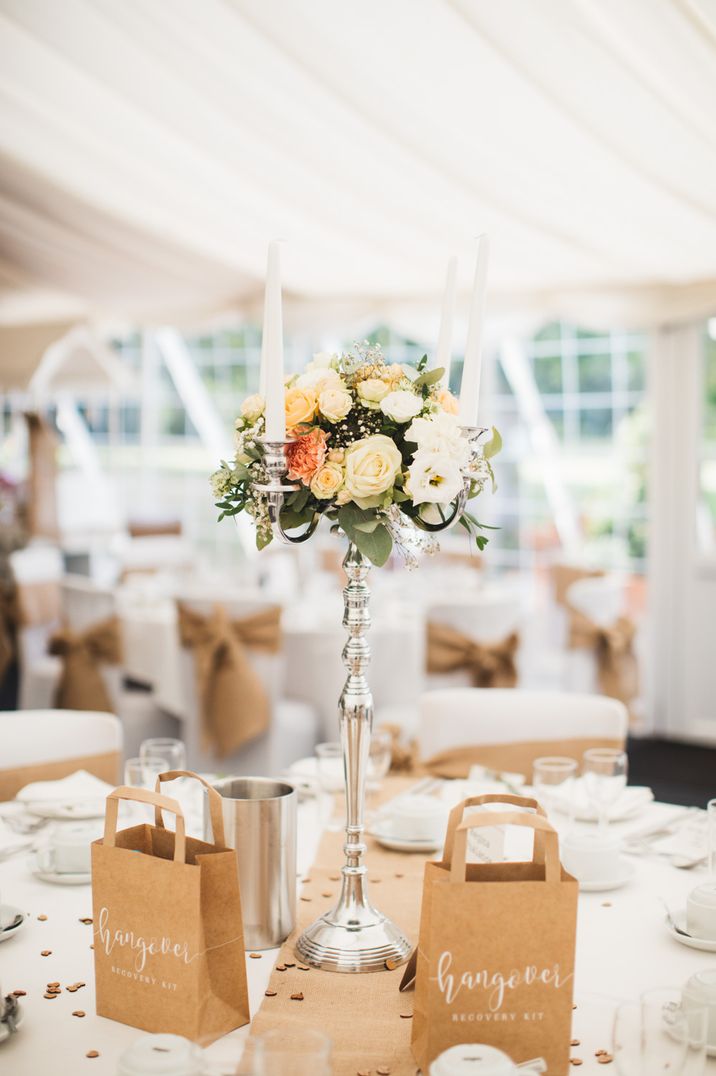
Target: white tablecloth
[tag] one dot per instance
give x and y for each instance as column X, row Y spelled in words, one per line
column 623, row 948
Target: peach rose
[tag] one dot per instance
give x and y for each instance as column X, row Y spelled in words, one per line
column 326, row 482
column 306, row 455
column 447, row 401
column 301, row 405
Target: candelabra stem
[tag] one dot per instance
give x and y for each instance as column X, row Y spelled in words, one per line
column 354, row 936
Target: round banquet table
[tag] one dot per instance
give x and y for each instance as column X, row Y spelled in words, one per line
column 623, row 948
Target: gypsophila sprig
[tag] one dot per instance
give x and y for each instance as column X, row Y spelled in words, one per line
column 375, row 447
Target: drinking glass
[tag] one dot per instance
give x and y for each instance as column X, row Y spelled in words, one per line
column 605, row 775
column 141, row 773
column 711, row 821
column 656, row 1037
column 292, row 1053
column 553, row 783
column 174, row 751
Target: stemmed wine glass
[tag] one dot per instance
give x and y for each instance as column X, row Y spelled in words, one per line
column 605, row 776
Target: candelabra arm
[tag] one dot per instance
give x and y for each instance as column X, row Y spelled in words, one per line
column 276, row 488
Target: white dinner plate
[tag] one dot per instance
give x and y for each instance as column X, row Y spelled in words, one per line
column 388, row 839
column 704, row 944
column 624, row 874
column 7, row 914
column 5, row 1031
column 67, row 811
column 63, row 879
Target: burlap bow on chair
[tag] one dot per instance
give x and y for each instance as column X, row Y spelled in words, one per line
column 232, row 699
column 617, row 669
column 489, row 664
column 83, row 653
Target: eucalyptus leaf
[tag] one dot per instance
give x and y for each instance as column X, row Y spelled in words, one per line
column 493, row 446
column 430, row 377
column 375, row 546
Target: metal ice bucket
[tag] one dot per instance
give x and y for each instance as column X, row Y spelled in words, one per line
column 260, row 824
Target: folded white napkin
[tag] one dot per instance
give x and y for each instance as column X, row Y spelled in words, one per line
column 630, row 801
column 77, row 788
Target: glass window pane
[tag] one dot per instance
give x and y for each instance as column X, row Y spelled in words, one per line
column 636, row 366
column 595, row 373
column 548, row 373
column 596, row 423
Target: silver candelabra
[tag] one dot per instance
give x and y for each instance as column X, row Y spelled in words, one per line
column 353, row 935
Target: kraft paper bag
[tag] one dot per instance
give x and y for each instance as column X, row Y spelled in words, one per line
column 168, row 935
column 495, row 957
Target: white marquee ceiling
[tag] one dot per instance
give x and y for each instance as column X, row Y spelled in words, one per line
column 149, row 150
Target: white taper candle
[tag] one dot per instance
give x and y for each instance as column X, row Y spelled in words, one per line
column 272, row 349
column 444, row 353
column 470, row 384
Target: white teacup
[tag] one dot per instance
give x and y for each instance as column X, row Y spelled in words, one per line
column 591, row 857
column 700, row 993
column 701, row 911
column 418, row 818
column 67, row 850
column 163, row 1055
column 477, row 1059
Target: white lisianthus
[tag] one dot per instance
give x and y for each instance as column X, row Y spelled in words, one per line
column 335, row 403
column 371, row 468
column 434, row 478
column 319, row 379
column 401, row 405
column 440, row 433
column 253, row 407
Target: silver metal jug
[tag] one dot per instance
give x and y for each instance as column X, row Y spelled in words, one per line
column 260, row 824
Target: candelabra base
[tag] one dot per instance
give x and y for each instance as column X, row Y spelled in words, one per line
column 353, row 940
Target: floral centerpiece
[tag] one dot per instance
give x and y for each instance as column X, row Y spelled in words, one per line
column 375, row 447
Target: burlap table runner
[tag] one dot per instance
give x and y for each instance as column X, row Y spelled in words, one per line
column 366, row 1017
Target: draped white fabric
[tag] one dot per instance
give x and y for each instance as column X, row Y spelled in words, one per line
column 150, row 150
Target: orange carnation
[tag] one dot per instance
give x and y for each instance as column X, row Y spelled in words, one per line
column 306, row 455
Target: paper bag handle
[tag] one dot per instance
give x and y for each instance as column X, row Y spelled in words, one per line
column 477, row 801
column 552, row 869
column 216, row 812
column 143, row 795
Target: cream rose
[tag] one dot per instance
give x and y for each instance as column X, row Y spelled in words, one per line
column 319, row 379
column 371, row 467
column 335, row 403
column 401, row 405
column 371, row 392
column 327, row 481
column 253, row 407
column 300, row 404
column 337, row 455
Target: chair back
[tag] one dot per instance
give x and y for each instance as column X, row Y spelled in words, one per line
column 601, row 598
column 486, row 617
column 45, row 745
column 36, row 571
column 84, row 605
column 507, row 729
column 268, row 666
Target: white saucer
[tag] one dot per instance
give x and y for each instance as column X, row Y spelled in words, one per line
column 63, row 879
column 704, row 944
column 385, row 837
column 5, row 1032
column 625, row 874
column 8, row 914
column 67, row 812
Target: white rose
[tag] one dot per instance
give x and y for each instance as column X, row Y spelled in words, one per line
column 440, row 433
column 371, row 467
column 323, row 359
column 319, row 379
column 401, row 405
column 253, row 407
column 335, row 403
column 371, row 392
column 433, row 478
